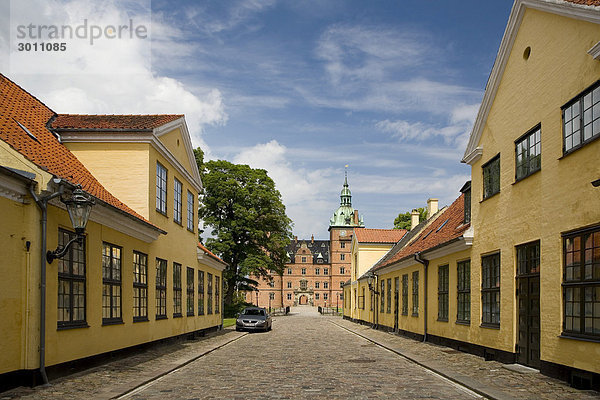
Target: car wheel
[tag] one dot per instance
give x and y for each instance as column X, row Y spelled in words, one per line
column 238, row 329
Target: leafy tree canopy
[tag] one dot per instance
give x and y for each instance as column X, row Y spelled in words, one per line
column 247, row 219
column 402, row 221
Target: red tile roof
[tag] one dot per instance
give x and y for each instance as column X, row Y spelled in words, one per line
column 111, row 122
column 42, row 148
column 209, row 253
column 585, row 2
column 364, row 235
column 447, row 227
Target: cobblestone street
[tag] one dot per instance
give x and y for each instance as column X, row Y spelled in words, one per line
column 306, row 355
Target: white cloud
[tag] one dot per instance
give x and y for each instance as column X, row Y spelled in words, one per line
column 126, row 82
column 310, row 195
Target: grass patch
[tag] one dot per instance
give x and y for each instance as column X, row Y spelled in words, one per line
column 228, row 322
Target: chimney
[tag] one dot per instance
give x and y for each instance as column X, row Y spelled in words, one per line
column 414, row 219
column 355, row 217
column 432, row 207
column 312, row 238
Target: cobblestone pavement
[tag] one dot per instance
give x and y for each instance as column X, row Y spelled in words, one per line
column 306, row 355
column 121, row 375
column 491, row 377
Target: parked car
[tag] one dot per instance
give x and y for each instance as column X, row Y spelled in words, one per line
column 254, row 319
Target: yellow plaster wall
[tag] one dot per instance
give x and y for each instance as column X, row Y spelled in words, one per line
column 174, row 142
column 449, row 329
column 122, row 168
column 554, row 200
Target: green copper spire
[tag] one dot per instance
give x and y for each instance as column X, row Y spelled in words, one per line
column 344, row 216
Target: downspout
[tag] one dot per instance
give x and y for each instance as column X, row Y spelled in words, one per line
column 425, row 265
column 42, row 203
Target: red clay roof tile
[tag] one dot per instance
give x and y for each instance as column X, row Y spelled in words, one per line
column 365, row 235
column 111, row 122
column 585, row 2
column 19, row 107
column 447, row 227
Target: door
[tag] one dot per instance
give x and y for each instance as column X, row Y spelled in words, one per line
column 529, row 321
column 396, row 293
column 303, row 300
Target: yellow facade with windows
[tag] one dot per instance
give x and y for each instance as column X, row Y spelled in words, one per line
column 81, row 328
column 544, row 66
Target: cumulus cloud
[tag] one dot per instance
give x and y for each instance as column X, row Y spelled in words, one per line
column 310, row 195
column 112, row 76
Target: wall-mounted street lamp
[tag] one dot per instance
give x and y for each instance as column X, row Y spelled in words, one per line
column 370, row 280
column 79, row 207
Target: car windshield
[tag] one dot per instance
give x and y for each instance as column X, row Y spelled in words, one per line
column 253, row 312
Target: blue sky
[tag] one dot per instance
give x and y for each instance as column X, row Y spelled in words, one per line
column 302, row 88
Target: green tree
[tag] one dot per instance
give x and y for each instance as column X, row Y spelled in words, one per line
column 248, row 223
column 403, row 220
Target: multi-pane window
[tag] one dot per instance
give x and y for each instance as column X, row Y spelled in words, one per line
column 289, row 296
column 528, row 154
column 382, row 297
column 303, row 284
column 325, row 271
column 303, row 271
column 191, row 288
column 161, row 288
column 177, row 193
column 111, row 283
column 289, row 285
column 176, row 290
column 317, row 271
column 467, row 203
column 581, row 284
column 342, row 270
column 200, row 292
column 325, row 296
column 528, row 258
column 317, row 285
column 140, row 286
column 463, row 301
column 491, row 177
column 490, row 289
column 71, row 283
column 361, row 300
column 190, row 211
column 389, row 295
column 581, row 119
column 289, row 271
column 161, row 188
column 217, row 294
column 342, row 257
column 271, row 295
column 343, row 245
column 405, row 294
column 415, row 293
column 303, row 259
column 325, row 285
column 316, row 296
column 209, row 293
column 342, row 284
column 443, row 285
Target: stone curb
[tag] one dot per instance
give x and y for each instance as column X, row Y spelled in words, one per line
column 462, row 380
column 130, row 387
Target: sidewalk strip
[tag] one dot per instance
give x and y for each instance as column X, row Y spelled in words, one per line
column 486, row 393
column 149, row 382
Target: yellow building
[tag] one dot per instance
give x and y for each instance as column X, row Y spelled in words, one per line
column 534, row 230
column 137, row 276
column 368, row 246
column 534, row 155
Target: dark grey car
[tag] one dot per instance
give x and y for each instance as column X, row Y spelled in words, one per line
column 253, row 319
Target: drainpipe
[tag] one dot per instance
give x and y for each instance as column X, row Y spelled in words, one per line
column 425, row 265
column 42, row 203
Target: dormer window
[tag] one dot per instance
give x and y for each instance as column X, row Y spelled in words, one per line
column 466, row 190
